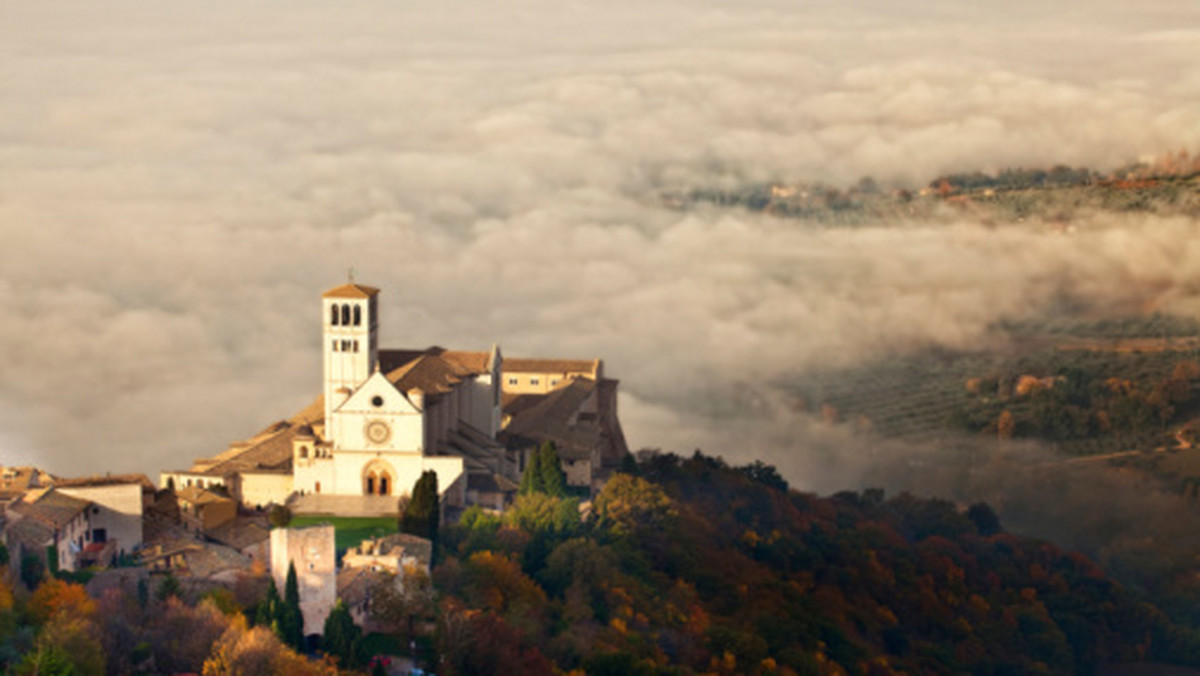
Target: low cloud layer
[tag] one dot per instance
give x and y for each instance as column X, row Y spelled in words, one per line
column 180, row 181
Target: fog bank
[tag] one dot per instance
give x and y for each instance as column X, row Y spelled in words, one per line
column 180, row 181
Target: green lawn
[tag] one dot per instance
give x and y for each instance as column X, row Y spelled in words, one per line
column 350, row 531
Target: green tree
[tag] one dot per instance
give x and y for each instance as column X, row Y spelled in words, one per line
column 423, row 513
column 531, row 480
column 280, row 516
column 168, row 587
column 342, row 637
column 290, row 620
column 33, row 570
column 553, row 480
column 268, row 608
column 50, row 660
column 984, row 518
column 75, row 639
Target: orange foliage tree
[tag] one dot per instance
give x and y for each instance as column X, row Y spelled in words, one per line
column 54, row 597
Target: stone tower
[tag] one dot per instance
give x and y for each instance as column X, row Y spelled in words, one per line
column 350, row 319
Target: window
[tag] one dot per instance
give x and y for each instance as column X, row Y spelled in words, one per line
column 99, row 535
column 345, row 315
column 377, row 401
column 513, row 381
column 356, row 344
column 304, row 451
column 534, row 381
column 333, row 315
column 357, row 315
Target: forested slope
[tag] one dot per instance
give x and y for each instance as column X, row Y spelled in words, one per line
column 690, row 566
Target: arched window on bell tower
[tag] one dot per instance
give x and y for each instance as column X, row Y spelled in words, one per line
column 357, row 315
column 346, row 315
column 333, row 315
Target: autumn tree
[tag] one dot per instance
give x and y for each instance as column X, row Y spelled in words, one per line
column 629, row 504
column 1006, row 424
column 182, row 636
column 258, row 650
column 483, row 644
column 397, row 603
column 68, row 644
column 58, row 597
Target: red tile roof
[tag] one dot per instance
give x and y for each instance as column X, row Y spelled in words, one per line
column 351, row 291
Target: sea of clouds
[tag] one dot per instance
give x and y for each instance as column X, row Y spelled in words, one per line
column 180, row 180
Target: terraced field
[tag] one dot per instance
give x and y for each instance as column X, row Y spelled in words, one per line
column 927, row 395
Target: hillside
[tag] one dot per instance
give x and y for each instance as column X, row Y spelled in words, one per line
column 691, row 566
column 1056, row 196
column 1088, row 386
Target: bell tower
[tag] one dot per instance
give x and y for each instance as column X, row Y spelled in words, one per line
column 350, row 321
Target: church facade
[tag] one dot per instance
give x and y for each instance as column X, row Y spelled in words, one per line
column 386, row 416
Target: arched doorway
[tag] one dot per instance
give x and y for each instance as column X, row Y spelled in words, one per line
column 378, row 478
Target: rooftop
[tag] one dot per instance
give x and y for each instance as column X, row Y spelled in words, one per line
column 199, row 496
column 52, row 508
column 351, row 291
column 590, row 367
column 106, row 480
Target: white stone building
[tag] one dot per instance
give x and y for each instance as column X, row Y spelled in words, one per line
column 386, row 416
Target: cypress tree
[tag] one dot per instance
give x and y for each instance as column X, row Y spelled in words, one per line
column 423, row 513
column 531, row 480
column 554, row 481
column 290, row 618
column 268, row 608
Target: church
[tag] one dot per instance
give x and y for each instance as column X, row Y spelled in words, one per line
column 385, row 416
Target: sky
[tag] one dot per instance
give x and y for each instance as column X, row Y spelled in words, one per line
column 180, row 181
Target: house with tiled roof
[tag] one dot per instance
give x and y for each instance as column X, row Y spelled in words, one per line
column 386, row 416
column 578, row 414
column 50, row 525
column 16, row 481
column 201, row 511
column 119, row 503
